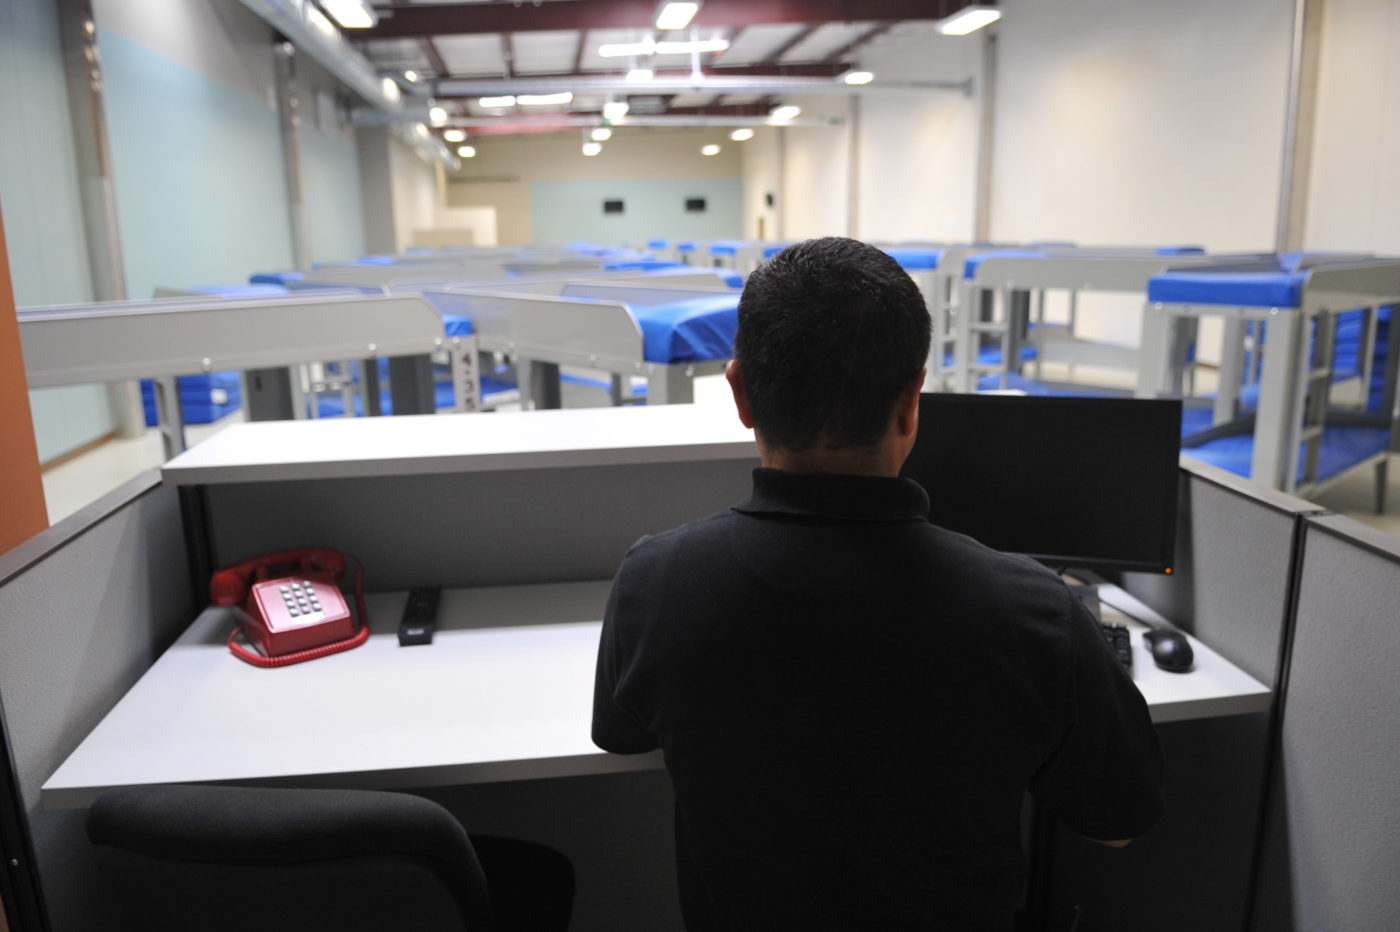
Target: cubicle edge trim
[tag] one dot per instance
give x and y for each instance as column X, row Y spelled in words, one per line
column 1372, row 540
column 453, row 463
column 57, row 536
column 24, row 905
column 1273, row 499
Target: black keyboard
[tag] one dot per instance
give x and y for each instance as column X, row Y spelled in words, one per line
column 1117, row 637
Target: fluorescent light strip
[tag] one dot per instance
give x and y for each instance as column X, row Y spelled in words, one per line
column 698, row 45
column 675, row 15
column 495, row 103
column 858, row 77
column 544, row 100
column 437, row 115
column 454, row 135
column 601, row 134
column 668, row 47
column 968, row 19
column 784, row 114
column 615, row 109
column 351, row 14
column 742, row 134
column 711, row 149
column 467, row 152
column 591, row 149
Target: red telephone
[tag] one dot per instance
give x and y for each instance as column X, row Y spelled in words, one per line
column 292, row 610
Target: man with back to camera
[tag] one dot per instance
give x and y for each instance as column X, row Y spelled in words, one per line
column 852, row 701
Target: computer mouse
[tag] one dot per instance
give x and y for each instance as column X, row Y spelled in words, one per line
column 1170, row 649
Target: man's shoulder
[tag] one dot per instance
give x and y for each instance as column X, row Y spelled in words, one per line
column 1008, row 575
column 700, row 533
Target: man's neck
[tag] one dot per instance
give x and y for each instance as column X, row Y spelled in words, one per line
column 864, row 461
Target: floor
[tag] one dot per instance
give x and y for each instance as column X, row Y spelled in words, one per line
column 78, row 482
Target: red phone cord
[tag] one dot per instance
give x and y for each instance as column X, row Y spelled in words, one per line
column 311, row 653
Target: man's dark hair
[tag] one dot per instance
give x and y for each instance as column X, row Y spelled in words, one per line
column 830, row 332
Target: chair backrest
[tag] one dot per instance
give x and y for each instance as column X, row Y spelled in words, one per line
column 220, row 858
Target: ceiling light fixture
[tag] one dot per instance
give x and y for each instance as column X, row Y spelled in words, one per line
column 711, row 149
column 783, row 114
column 351, row 14
column 495, row 103
column 318, row 19
column 390, row 87
column 649, row 46
column 858, row 77
column 544, row 100
column 743, row 134
column 411, row 76
column 454, row 135
column 968, row 19
column 591, row 149
column 671, row 14
column 467, row 152
column 601, row 134
column 640, row 75
column 437, row 115
column 615, row 110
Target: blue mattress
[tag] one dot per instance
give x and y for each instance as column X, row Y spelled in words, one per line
column 641, row 264
column 1342, row 448
column 991, row 355
column 204, row 397
column 275, row 278
column 771, row 251
column 725, row 247
column 658, row 243
column 916, row 258
column 731, row 278
column 686, row 245
column 1236, row 289
column 971, row 263
column 457, row 326
column 250, row 290
column 1020, row 383
column 694, row 330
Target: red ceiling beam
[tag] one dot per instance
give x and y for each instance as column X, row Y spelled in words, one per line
column 457, row 19
column 808, row 70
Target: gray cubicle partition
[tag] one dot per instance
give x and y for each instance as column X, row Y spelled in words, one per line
column 1331, row 842
column 1237, row 549
column 85, row 608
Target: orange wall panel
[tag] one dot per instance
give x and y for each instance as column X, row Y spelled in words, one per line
column 22, row 510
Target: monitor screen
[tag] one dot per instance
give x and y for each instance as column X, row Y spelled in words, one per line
column 1070, row 481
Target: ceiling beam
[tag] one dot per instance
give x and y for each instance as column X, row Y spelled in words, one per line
column 846, row 50
column 462, row 18
column 434, row 57
column 797, row 39
column 810, row 70
column 507, row 55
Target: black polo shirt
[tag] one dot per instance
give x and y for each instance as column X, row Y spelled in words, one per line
column 852, row 703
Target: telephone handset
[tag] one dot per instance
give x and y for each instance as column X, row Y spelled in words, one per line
column 290, row 606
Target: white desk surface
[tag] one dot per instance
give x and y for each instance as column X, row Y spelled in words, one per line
column 504, row 692
column 441, row 443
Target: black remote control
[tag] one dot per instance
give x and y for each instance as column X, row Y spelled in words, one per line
column 419, row 616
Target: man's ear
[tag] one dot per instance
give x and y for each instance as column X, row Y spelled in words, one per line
column 741, row 393
column 907, row 410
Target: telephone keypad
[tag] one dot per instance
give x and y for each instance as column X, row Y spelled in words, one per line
column 300, row 598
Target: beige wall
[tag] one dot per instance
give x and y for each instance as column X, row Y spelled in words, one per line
column 501, row 173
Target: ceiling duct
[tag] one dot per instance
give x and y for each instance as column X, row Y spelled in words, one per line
column 692, row 84
column 297, row 20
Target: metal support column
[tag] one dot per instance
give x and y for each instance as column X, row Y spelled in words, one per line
column 671, row 385
column 986, row 137
column 268, row 394
column 83, row 73
column 289, row 118
column 1299, row 120
column 411, row 384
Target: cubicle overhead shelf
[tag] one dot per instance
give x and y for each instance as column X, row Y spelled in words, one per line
column 109, row 342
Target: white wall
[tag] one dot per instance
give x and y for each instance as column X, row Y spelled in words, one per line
column 918, row 154
column 1355, row 194
column 415, row 188
column 1140, row 123
column 915, row 153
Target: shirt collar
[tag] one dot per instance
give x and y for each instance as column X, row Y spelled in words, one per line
column 840, row 497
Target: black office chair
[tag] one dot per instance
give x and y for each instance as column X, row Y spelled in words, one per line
column 221, row 859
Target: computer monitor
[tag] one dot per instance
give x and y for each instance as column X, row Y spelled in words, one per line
column 1070, row 481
